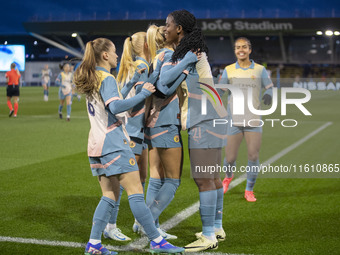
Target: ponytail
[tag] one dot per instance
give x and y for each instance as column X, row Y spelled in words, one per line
column 155, row 39
column 126, row 62
column 133, row 47
column 85, row 77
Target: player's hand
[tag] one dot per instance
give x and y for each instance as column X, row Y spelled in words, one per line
column 161, row 56
column 142, row 70
column 198, row 54
column 159, row 62
column 192, row 57
column 267, row 99
column 148, row 86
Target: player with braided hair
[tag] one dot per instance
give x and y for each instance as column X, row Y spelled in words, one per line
column 193, row 39
column 189, row 74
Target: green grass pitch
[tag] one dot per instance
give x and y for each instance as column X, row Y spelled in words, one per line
column 47, row 190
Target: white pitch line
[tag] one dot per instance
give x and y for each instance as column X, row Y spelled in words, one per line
column 54, row 243
column 298, row 143
column 41, row 242
column 82, row 245
column 186, row 213
column 175, row 220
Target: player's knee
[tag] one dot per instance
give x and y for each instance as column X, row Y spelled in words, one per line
column 253, row 156
column 218, row 183
column 134, row 189
column 231, row 158
column 205, row 184
column 109, row 194
column 175, row 174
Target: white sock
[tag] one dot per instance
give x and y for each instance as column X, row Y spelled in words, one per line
column 211, row 238
column 158, row 239
column 94, row 241
column 110, row 226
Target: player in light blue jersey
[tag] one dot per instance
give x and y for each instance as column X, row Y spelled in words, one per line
column 110, row 155
column 64, row 81
column 162, row 133
column 74, row 91
column 189, row 74
column 135, row 56
column 245, row 74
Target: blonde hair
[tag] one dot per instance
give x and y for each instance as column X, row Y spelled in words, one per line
column 155, row 39
column 85, row 77
column 133, row 47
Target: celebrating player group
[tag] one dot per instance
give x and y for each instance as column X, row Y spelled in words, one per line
column 136, row 122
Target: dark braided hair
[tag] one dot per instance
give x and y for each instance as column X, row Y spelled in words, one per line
column 193, row 39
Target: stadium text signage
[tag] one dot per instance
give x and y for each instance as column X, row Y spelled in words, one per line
column 244, row 25
column 321, row 85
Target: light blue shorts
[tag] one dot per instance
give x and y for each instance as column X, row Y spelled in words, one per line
column 48, row 84
column 136, row 145
column 117, row 162
column 204, row 135
column 145, row 145
column 62, row 96
column 168, row 136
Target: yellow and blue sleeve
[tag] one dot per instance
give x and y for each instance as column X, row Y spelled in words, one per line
column 266, row 83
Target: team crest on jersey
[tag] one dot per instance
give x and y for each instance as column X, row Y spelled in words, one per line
column 132, row 144
column 253, row 77
column 176, row 138
column 132, row 161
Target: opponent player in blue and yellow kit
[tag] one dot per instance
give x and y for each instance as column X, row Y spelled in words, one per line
column 245, row 74
column 110, row 155
column 191, row 76
column 64, row 81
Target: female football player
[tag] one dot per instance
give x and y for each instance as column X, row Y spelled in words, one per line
column 249, row 75
column 111, row 158
column 189, row 73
